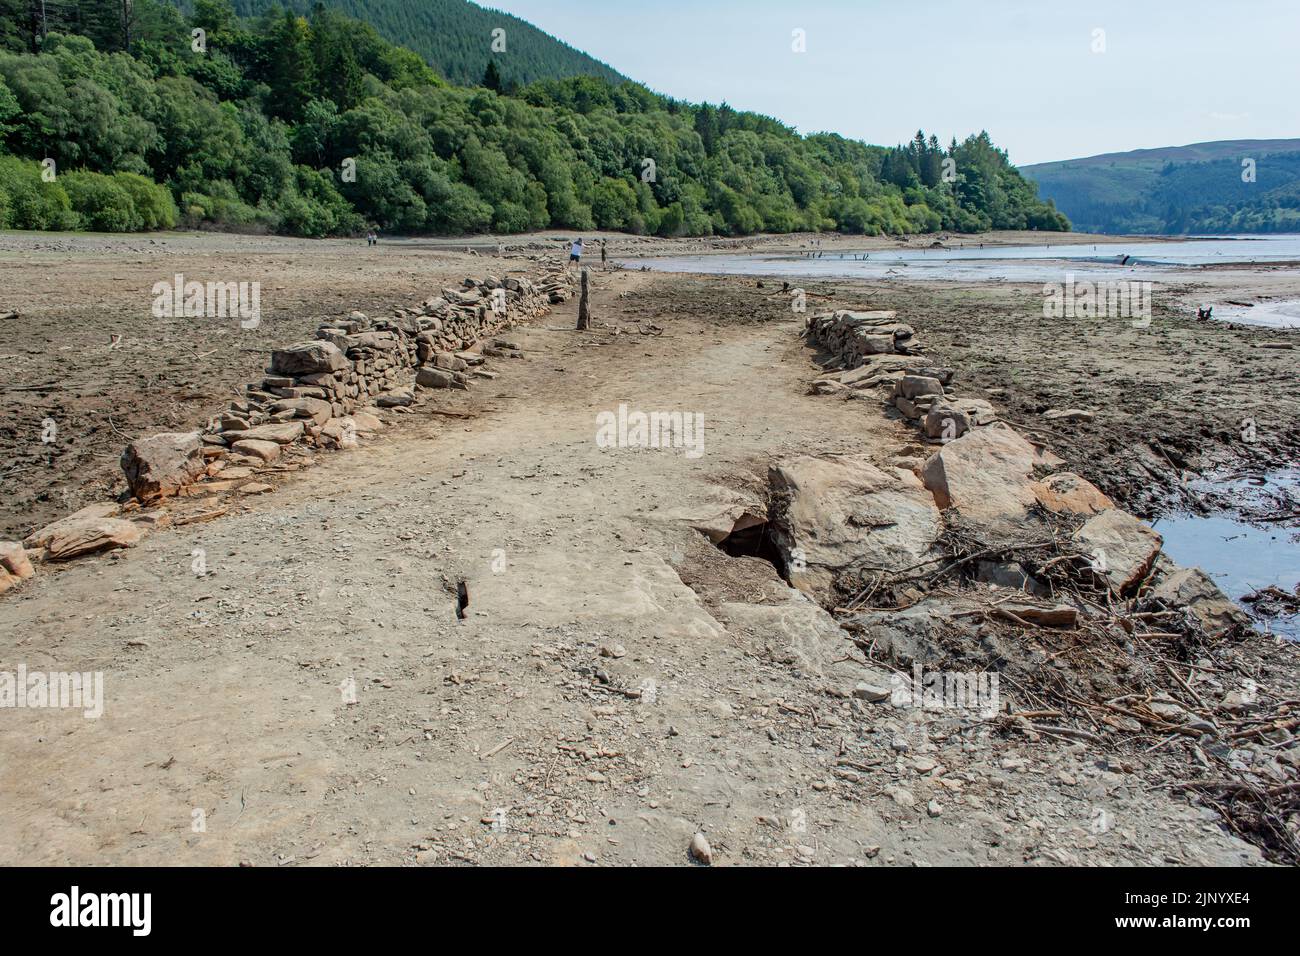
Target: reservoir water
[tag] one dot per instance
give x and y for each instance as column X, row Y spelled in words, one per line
column 964, row 261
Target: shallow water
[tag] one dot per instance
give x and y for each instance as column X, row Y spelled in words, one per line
column 1239, row 557
column 967, row 262
column 1276, row 315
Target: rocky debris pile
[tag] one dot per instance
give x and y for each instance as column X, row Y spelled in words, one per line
column 985, row 477
column 855, row 336
column 1031, row 573
column 324, row 393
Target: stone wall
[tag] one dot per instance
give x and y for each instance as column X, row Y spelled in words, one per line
column 320, row 393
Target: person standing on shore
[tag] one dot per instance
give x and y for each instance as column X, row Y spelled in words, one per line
column 575, row 253
column 602, row 255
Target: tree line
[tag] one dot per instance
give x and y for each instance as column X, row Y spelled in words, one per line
column 315, row 125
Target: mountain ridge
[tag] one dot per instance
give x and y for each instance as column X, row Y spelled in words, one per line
column 1218, row 186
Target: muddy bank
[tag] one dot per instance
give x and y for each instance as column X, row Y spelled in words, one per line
column 1162, row 403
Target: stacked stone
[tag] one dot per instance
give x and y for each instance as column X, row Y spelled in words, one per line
column 319, row 391
column 854, row 336
column 877, row 349
column 379, row 356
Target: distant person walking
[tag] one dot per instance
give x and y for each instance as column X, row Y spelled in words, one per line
column 602, row 255
column 372, row 238
column 575, row 252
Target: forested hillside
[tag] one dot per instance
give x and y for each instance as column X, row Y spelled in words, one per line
column 456, row 36
column 317, row 126
column 1202, row 188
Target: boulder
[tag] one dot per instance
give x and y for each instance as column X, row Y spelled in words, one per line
column 72, row 539
column 946, row 422
column 340, row 433
column 831, row 513
column 284, row 433
column 977, row 410
column 366, row 422
column 1122, row 547
column 39, row 539
column 316, row 409
column 1193, row 589
column 445, row 360
column 912, row 386
column 14, row 565
column 308, row 358
column 14, row 560
column 435, row 378
column 163, row 464
column 1068, row 493
column 984, row 474
column 257, row 448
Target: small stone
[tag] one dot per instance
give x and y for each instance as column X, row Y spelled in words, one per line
column 874, row 693
column 934, row 808
column 701, row 852
column 901, row 796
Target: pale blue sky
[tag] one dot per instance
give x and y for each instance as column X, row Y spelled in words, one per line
column 1174, row 71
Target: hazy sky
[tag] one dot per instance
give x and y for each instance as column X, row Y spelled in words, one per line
column 1173, row 71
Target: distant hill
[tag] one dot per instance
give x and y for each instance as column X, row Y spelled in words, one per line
column 455, row 36
column 1179, row 189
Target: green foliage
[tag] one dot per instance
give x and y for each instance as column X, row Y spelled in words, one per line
column 1179, row 190
column 33, row 203
column 456, row 36
column 9, row 110
column 122, row 202
column 304, row 122
column 153, row 204
column 102, row 204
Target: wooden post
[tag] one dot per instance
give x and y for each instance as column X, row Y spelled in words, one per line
column 584, row 318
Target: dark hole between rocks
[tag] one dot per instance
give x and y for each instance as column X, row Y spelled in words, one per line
column 462, row 599
column 751, row 538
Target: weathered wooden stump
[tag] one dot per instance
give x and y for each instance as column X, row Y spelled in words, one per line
column 584, row 317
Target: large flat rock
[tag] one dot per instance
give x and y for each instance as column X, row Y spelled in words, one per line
column 1193, row 589
column 1122, row 547
column 986, row 475
column 91, row 535
column 835, row 513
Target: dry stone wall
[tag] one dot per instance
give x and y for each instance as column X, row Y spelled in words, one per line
column 321, row 393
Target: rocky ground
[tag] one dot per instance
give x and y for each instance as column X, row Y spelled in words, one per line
column 615, row 684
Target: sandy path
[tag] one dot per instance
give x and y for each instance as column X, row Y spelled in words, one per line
column 223, row 691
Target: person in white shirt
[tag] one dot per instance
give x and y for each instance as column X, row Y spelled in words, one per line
column 575, row 252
